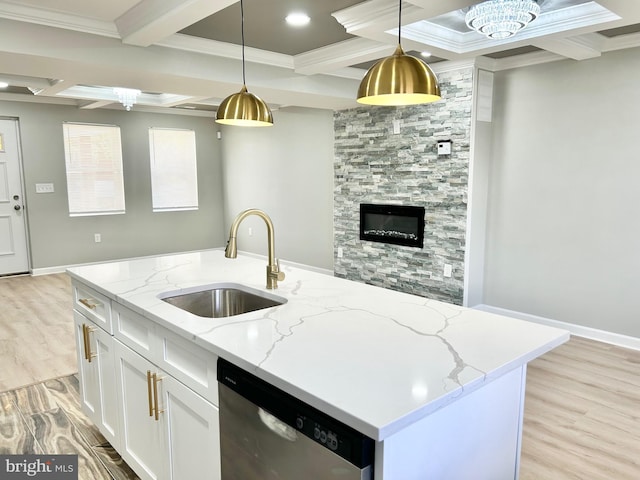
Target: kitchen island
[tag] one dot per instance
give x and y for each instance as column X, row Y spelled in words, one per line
column 439, row 387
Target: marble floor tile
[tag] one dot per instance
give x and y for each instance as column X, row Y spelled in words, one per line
column 66, row 392
column 57, row 435
column 15, row 436
column 114, row 463
column 46, row 419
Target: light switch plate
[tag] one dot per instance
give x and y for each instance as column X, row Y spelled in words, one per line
column 444, row 147
column 44, row 188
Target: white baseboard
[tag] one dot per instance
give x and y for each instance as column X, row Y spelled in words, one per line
column 577, row 330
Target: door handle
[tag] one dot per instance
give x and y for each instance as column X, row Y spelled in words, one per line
column 17, row 207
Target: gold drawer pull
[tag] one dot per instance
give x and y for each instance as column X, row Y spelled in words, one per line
column 88, row 303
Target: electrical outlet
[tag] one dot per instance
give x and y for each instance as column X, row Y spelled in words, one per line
column 250, row 232
column 396, row 127
column 97, row 237
column 447, row 270
column 340, row 253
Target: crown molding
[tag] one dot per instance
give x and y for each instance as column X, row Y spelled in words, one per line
column 50, row 18
column 548, row 24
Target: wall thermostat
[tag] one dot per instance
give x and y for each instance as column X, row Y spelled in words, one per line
column 444, row 147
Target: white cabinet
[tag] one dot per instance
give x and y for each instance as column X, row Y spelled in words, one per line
column 168, row 431
column 152, row 393
column 97, row 376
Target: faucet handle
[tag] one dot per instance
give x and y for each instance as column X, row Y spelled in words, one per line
column 279, row 273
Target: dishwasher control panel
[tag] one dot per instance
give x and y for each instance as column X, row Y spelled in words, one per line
column 318, row 432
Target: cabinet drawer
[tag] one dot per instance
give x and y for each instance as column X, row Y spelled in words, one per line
column 187, row 362
column 93, row 305
column 136, row 332
column 190, row 364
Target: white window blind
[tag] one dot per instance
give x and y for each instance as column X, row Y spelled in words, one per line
column 93, row 160
column 174, row 176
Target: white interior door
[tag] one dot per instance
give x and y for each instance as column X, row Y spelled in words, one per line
column 14, row 256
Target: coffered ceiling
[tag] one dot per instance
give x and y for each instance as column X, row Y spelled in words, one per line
column 185, row 54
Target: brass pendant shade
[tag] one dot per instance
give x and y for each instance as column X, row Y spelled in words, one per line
column 399, row 80
column 244, row 109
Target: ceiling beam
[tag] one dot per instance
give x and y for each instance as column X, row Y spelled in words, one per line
column 580, row 47
column 340, row 55
column 153, row 20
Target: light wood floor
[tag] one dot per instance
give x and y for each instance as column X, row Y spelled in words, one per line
column 582, row 414
column 582, row 408
column 36, row 330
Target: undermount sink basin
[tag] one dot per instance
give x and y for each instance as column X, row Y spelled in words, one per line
column 221, row 300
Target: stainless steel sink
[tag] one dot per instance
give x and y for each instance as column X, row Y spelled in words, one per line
column 221, row 300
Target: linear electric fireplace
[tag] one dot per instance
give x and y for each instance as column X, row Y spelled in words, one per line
column 396, row 224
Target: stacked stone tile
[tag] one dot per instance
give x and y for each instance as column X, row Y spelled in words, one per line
column 374, row 165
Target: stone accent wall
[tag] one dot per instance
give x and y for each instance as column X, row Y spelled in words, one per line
column 374, row 165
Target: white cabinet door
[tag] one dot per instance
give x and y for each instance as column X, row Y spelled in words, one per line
column 193, row 432
column 96, row 365
column 169, row 432
column 142, row 437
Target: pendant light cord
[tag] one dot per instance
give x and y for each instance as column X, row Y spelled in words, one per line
column 244, row 80
column 399, row 20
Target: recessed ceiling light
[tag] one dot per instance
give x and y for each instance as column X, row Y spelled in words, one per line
column 4, row 84
column 297, row 19
column 425, row 54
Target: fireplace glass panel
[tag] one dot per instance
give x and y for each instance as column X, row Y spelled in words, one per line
column 395, row 224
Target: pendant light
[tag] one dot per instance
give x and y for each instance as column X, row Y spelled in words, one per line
column 400, row 79
column 244, row 109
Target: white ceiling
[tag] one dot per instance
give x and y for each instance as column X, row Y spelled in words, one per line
column 185, row 53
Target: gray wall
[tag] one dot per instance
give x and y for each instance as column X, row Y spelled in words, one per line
column 287, row 171
column 563, row 220
column 59, row 240
column 374, row 165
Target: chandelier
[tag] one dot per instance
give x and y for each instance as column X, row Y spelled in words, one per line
column 127, row 97
column 500, row 19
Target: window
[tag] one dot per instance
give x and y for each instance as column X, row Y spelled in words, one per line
column 174, row 177
column 93, row 159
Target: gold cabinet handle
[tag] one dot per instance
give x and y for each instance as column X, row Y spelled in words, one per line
column 88, row 303
column 86, row 331
column 85, row 342
column 155, row 378
column 149, row 395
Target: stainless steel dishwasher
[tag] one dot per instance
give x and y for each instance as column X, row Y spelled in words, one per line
column 266, row 434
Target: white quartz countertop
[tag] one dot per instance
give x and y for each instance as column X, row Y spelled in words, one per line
column 373, row 358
